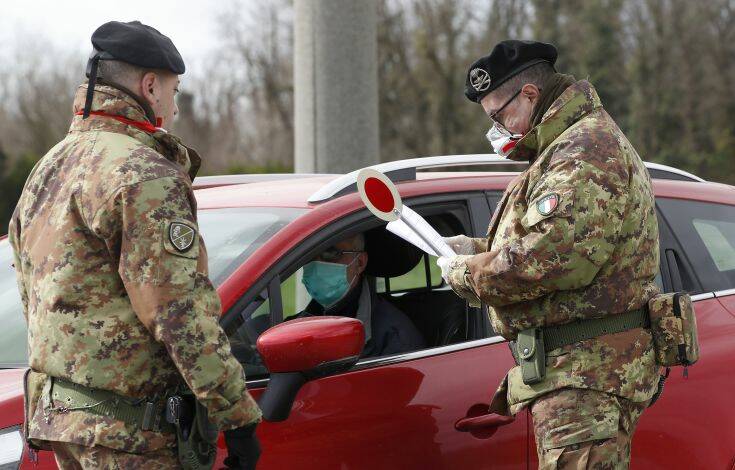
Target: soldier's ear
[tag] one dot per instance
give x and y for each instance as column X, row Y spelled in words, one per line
column 149, row 87
column 530, row 91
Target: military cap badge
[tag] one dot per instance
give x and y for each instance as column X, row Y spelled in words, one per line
column 479, row 79
column 547, row 204
column 181, row 236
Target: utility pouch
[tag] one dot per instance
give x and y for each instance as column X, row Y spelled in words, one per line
column 674, row 329
column 196, row 437
column 531, row 355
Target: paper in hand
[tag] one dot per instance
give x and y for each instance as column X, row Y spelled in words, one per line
column 405, row 231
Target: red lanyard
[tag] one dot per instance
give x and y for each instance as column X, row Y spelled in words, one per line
column 144, row 126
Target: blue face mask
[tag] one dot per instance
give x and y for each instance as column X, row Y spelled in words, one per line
column 326, row 283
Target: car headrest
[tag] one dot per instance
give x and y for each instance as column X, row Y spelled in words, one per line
column 388, row 254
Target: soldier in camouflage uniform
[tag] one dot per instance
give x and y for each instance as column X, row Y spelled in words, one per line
column 574, row 238
column 113, row 271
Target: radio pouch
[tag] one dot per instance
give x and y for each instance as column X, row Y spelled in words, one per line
column 674, row 329
column 531, row 355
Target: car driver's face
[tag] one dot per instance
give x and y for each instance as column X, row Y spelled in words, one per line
column 346, row 253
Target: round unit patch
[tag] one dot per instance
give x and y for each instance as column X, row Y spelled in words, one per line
column 479, row 79
column 548, row 204
column 181, row 236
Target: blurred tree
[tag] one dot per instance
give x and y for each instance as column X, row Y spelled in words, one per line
column 12, row 179
column 239, row 112
column 588, row 34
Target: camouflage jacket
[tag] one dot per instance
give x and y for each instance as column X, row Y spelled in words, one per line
column 575, row 236
column 114, row 280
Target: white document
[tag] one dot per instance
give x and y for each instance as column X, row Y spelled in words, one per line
column 425, row 231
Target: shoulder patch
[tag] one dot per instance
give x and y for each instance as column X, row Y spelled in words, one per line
column 181, row 235
column 547, row 204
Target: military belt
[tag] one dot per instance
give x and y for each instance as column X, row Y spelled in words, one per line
column 570, row 333
column 146, row 414
column 562, row 335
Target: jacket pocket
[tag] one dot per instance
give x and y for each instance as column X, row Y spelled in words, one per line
column 602, row 426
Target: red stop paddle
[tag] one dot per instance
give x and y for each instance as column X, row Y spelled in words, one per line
column 379, row 194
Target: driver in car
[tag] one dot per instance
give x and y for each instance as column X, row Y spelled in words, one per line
column 334, row 279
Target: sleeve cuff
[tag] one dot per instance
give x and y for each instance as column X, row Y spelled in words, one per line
column 459, row 280
column 241, row 413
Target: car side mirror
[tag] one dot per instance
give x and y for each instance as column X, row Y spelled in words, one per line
column 304, row 349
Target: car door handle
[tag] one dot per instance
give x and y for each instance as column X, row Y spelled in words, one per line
column 490, row 420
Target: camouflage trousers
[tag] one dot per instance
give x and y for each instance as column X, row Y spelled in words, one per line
column 73, row 456
column 584, row 429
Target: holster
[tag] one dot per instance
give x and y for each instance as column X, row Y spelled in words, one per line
column 531, row 355
column 196, row 436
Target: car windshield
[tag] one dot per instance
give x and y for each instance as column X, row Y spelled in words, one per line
column 231, row 235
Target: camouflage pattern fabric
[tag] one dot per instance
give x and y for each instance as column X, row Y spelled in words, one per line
column 577, row 428
column 575, row 236
column 670, row 332
column 75, row 457
column 114, row 280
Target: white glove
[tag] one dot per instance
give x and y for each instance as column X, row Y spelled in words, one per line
column 461, row 244
column 443, row 263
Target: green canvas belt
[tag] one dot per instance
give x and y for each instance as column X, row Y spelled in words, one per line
column 562, row 335
column 148, row 415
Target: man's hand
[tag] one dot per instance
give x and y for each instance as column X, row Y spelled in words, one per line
column 443, row 263
column 461, row 244
column 243, row 448
column 454, row 269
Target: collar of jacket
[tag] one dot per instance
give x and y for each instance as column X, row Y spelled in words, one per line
column 573, row 104
column 113, row 101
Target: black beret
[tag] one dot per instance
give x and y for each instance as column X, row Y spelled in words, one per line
column 506, row 59
column 137, row 44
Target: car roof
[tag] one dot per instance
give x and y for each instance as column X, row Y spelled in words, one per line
column 295, row 192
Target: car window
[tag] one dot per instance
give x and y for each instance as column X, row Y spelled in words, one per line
column 253, row 321
column 716, row 236
column 13, row 333
column 706, row 235
column 233, row 234
column 259, row 315
column 426, row 274
column 416, row 278
column 418, row 296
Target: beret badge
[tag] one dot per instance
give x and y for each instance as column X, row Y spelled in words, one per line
column 479, row 79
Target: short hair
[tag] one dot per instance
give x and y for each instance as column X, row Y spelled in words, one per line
column 120, row 72
column 535, row 74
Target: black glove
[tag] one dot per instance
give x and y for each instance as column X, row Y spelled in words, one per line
column 243, row 448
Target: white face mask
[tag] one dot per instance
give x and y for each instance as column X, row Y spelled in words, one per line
column 502, row 140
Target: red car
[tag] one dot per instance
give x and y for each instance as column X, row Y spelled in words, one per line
column 424, row 409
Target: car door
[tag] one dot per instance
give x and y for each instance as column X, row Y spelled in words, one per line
column 415, row 410
column 693, row 423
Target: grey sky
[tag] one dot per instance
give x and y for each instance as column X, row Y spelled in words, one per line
column 68, row 24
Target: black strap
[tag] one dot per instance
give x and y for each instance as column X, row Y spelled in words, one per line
column 92, row 74
column 562, row 335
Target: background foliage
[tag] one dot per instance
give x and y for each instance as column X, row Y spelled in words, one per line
column 665, row 70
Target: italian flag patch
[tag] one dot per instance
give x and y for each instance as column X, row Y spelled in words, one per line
column 547, row 204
